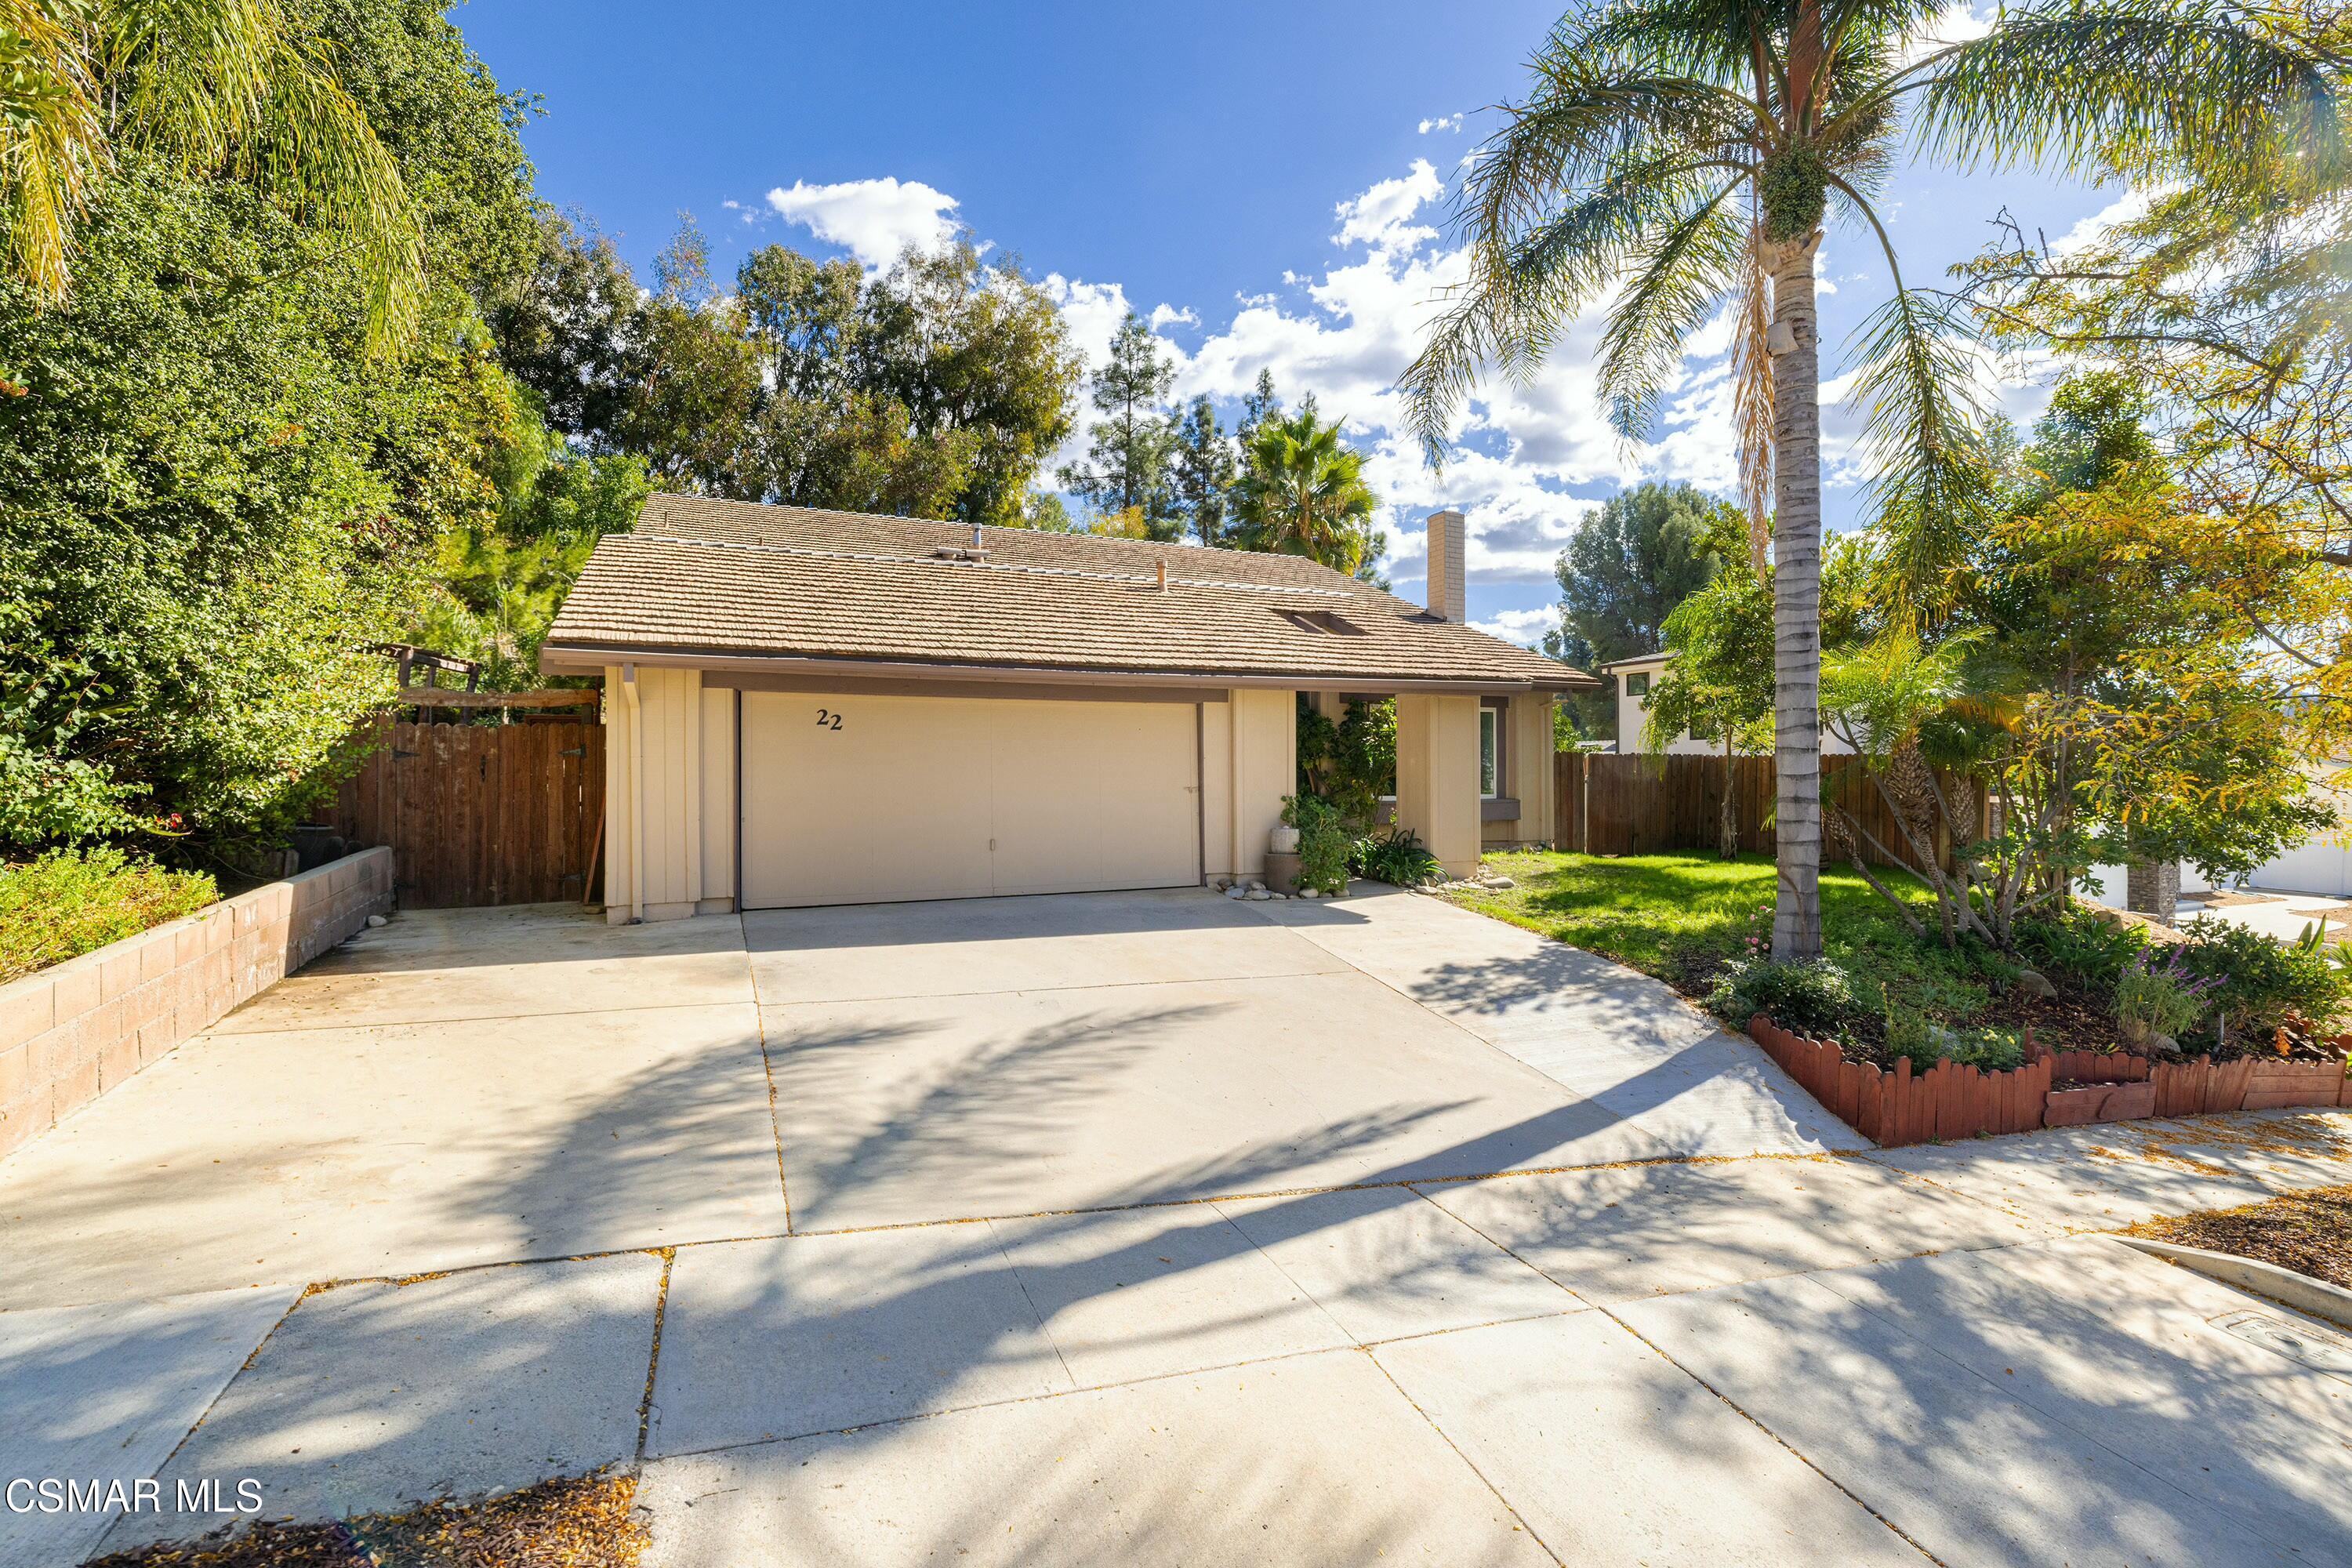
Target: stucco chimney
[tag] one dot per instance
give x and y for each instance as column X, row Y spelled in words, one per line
column 1445, row 596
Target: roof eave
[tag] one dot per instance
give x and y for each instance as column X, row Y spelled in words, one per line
column 585, row 658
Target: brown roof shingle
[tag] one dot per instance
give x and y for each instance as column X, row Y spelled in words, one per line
column 736, row 580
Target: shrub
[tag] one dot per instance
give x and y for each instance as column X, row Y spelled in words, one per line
column 69, row 901
column 1322, row 842
column 2154, row 998
column 1812, row 999
column 1927, row 1042
column 2255, row 981
column 2091, row 951
column 1396, row 856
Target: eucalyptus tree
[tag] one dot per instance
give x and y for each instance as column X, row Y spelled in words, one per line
column 230, row 86
column 1688, row 152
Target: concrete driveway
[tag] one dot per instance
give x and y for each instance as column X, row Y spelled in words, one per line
column 1144, row 1228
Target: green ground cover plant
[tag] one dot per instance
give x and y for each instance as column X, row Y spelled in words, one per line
column 68, row 902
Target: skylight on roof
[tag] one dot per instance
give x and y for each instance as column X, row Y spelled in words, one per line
column 1324, row 623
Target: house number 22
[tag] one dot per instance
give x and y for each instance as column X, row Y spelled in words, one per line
column 827, row 718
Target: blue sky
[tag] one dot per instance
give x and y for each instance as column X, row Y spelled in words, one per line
column 1266, row 181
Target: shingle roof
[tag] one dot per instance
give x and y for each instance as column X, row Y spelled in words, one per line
column 734, row 579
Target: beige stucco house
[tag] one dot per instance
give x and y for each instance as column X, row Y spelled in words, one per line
column 818, row 708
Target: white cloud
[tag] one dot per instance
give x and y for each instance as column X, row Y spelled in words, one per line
column 1529, row 458
column 1441, row 122
column 1381, row 216
column 1166, row 315
column 874, row 220
column 1525, row 627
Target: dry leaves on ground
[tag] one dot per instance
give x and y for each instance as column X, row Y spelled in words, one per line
column 2310, row 1233
column 587, row 1523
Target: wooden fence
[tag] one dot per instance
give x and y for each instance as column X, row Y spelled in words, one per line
column 1609, row 804
column 479, row 814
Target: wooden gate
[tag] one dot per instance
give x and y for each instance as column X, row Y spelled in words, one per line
column 481, row 813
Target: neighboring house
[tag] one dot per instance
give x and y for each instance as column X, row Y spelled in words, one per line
column 817, row 708
column 1635, row 677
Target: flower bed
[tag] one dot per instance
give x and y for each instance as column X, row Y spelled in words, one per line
column 2053, row 1088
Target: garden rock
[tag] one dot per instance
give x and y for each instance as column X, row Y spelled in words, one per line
column 1236, row 891
column 1259, row 895
column 1497, row 883
column 374, row 921
column 2033, row 983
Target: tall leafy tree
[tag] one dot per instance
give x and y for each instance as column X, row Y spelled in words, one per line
column 935, row 388
column 1205, row 471
column 1631, row 560
column 1302, row 492
column 184, row 626
column 1689, row 152
column 1718, row 686
column 1126, row 468
column 237, row 88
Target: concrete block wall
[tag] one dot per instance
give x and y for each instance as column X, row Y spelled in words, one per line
column 76, row 1030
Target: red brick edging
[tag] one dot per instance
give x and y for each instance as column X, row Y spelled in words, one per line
column 1949, row 1101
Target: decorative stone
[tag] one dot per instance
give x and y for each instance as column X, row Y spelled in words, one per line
column 1497, row 883
column 375, row 920
column 1236, row 891
column 2033, row 983
column 1259, row 895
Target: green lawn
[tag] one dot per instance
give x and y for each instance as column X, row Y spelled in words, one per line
column 1680, row 916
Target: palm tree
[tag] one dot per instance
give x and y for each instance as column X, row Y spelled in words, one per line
column 1302, row 492
column 1691, row 149
column 208, row 87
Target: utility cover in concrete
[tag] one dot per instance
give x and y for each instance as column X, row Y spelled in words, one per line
column 370, row 1398
column 103, row 1394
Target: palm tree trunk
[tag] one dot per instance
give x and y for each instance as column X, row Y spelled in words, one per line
column 1796, row 601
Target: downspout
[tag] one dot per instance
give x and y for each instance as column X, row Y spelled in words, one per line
column 636, row 794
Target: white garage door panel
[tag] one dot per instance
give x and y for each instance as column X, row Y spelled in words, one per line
column 918, row 797
column 1094, row 794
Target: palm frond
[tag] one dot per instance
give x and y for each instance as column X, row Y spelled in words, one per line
column 315, row 147
column 189, row 76
column 2075, row 82
column 1922, row 437
column 1681, row 281
column 1751, row 390
column 52, row 139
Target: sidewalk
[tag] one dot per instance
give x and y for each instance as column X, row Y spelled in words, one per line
column 1784, row 1359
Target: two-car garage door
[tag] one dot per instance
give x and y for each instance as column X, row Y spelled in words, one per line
column 863, row 799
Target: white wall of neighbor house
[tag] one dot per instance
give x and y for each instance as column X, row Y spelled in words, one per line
column 1634, row 686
